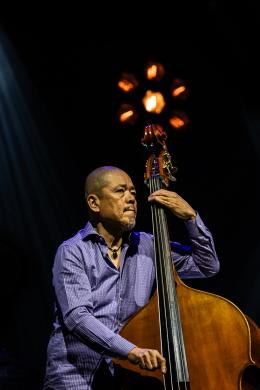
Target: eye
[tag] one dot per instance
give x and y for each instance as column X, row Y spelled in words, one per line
column 120, row 190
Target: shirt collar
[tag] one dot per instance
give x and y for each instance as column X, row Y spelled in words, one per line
column 90, row 232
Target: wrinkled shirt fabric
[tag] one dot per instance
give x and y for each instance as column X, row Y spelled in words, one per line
column 94, row 299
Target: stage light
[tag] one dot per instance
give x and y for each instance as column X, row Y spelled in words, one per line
column 153, row 102
column 127, row 82
column 127, row 114
column 154, row 98
column 178, row 120
column 179, row 89
column 154, row 71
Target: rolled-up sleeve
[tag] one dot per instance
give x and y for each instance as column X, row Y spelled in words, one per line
column 74, row 297
column 200, row 260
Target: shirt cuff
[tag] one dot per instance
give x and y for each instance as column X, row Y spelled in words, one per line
column 121, row 346
column 196, row 227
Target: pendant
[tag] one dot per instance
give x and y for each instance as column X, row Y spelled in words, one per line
column 114, row 253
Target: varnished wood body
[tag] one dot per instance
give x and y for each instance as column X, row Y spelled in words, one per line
column 221, row 343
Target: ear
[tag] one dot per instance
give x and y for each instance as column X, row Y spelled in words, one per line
column 93, row 203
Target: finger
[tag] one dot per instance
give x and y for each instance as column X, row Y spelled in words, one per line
column 147, row 361
column 159, row 194
column 163, row 365
column 142, row 363
column 154, row 361
column 162, row 199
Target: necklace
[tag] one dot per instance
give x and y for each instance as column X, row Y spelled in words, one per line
column 114, row 251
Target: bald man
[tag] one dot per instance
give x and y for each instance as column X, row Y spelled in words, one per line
column 104, row 274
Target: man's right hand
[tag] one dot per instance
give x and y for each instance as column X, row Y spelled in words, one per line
column 148, row 359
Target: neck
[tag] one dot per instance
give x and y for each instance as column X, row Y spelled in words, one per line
column 112, row 238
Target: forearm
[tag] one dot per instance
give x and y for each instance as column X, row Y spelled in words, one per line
column 202, row 261
column 90, row 329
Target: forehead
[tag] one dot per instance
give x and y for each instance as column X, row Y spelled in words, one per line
column 117, row 177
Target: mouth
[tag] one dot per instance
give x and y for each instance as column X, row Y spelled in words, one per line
column 129, row 209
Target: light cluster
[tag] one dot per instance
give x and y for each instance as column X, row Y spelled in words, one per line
column 154, row 98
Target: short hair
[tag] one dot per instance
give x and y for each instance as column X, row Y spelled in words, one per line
column 96, row 179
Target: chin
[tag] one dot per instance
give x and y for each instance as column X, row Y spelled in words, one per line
column 128, row 226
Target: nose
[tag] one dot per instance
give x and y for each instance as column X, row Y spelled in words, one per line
column 130, row 197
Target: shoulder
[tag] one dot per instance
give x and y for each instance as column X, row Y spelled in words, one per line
column 70, row 254
column 141, row 237
column 142, row 242
column 72, row 242
column 74, row 246
column 80, row 239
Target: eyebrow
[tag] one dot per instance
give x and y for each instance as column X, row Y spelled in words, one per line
column 124, row 186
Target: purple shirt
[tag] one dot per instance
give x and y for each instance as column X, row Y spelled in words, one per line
column 94, row 299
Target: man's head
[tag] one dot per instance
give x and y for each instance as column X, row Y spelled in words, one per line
column 111, row 198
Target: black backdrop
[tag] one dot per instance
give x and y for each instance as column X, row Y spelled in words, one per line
column 69, row 84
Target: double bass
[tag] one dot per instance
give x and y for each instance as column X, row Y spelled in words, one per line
column 208, row 343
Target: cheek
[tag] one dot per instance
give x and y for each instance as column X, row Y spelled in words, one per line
column 118, row 209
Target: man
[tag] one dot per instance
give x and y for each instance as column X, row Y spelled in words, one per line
column 104, row 274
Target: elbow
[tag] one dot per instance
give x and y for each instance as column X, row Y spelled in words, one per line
column 70, row 321
column 213, row 270
column 74, row 317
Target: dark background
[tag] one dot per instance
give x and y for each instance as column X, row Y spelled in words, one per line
column 58, row 122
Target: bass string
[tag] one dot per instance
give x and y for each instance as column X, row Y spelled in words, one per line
column 165, row 272
column 160, row 287
column 174, row 314
column 173, row 306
